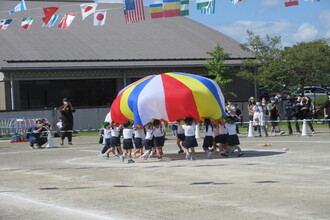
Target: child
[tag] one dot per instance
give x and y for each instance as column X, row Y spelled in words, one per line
column 138, row 140
column 148, row 141
column 208, row 140
column 223, row 138
column 159, row 133
column 190, row 141
column 107, row 136
column 216, row 136
column 115, row 139
column 128, row 143
column 180, row 136
column 233, row 139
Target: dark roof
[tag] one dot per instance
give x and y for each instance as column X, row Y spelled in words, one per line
column 164, row 41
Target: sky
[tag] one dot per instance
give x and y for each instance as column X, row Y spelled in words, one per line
column 306, row 22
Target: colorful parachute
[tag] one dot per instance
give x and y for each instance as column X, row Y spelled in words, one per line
column 168, row 96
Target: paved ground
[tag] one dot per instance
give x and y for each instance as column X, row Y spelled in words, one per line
column 74, row 183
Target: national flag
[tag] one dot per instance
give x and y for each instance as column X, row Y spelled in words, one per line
column 5, row 23
column 156, row 10
column 171, row 8
column 87, row 9
column 20, row 7
column 49, row 12
column 234, row 2
column 210, row 9
column 27, row 22
column 106, row 1
column 52, row 21
column 289, row 3
column 66, row 21
column 99, row 17
column 184, row 7
column 134, row 12
column 203, row 4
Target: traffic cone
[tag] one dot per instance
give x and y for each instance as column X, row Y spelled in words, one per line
column 197, row 132
column 304, row 128
column 250, row 134
column 50, row 142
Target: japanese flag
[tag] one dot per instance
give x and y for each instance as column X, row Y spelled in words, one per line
column 99, row 17
column 87, row 9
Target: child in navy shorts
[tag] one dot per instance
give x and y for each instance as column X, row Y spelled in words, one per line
column 128, row 143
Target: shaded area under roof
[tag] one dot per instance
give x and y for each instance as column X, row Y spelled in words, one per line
column 152, row 40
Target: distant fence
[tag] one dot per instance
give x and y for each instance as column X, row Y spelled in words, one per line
column 83, row 118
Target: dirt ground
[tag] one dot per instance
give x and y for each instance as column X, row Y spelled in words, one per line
column 288, row 180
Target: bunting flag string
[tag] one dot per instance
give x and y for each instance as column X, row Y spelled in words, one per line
column 133, row 11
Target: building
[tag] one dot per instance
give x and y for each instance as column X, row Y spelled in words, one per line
column 40, row 66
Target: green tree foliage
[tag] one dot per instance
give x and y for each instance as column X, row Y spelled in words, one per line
column 216, row 68
column 288, row 69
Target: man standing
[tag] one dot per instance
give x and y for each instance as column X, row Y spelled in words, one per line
column 326, row 110
column 67, row 120
column 291, row 111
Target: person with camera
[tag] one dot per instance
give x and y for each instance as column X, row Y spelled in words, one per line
column 66, row 111
column 304, row 104
column 291, row 113
column 326, row 110
column 36, row 135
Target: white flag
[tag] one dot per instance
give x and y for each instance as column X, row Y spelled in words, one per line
column 99, row 17
column 87, row 9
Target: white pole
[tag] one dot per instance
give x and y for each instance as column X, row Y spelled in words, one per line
column 304, row 128
column 250, row 134
column 50, row 142
column 197, row 132
column 12, row 92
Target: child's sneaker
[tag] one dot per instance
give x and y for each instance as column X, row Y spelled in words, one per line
column 106, row 156
column 192, row 158
column 187, row 156
column 240, row 154
column 130, row 160
column 180, row 151
column 122, row 158
column 224, row 154
column 116, row 156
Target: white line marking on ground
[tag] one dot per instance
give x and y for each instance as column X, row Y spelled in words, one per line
column 48, row 205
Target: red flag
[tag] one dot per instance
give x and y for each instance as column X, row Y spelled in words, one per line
column 289, row 3
column 49, row 12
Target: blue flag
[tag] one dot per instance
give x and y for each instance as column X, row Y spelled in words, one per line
column 129, row 4
column 20, row 7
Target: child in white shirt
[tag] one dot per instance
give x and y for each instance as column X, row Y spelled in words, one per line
column 128, row 143
column 190, row 141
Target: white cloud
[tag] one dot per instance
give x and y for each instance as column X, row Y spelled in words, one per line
column 290, row 32
column 306, row 32
column 237, row 30
column 325, row 20
column 270, row 3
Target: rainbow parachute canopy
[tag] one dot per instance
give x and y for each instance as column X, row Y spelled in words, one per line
column 168, row 96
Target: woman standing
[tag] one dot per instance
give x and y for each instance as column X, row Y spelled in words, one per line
column 67, row 120
column 259, row 117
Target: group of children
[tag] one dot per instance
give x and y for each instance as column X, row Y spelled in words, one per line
column 218, row 134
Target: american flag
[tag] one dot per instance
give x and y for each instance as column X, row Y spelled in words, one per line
column 136, row 14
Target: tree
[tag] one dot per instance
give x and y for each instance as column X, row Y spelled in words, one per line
column 307, row 63
column 288, row 69
column 265, row 68
column 216, row 67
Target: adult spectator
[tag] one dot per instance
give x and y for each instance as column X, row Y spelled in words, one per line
column 273, row 109
column 326, row 110
column 291, row 112
column 259, row 117
column 67, row 120
column 251, row 104
column 36, row 134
